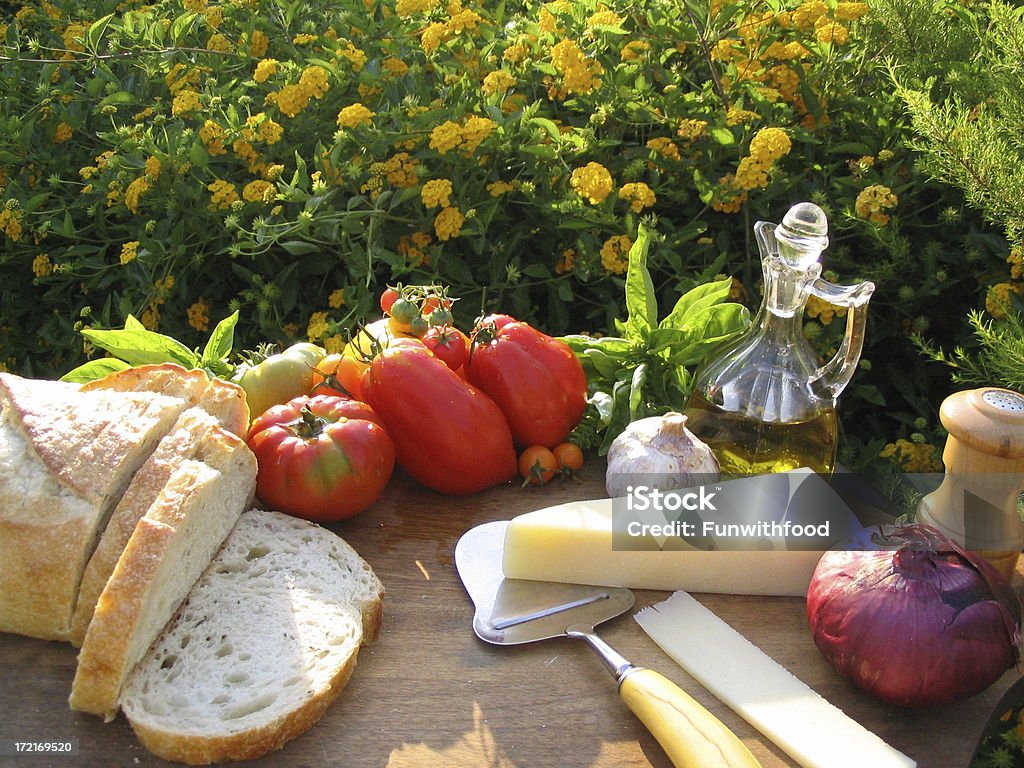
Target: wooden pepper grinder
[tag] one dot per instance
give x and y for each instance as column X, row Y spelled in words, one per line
column 976, row 504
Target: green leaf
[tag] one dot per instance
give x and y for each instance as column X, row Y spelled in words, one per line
column 132, row 323
column 94, row 369
column 695, row 301
column 142, row 347
column 118, row 97
column 723, row 136
column 636, row 391
column 95, row 32
column 300, row 247
column 605, row 365
column 714, row 326
column 641, row 303
column 221, row 340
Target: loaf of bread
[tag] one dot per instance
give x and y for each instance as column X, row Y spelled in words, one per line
column 263, row 644
column 66, row 457
column 218, row 403
column 168, row 550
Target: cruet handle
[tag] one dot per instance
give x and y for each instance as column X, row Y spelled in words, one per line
column 834, row 375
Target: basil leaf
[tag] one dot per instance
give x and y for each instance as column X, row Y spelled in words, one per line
column 94, row 369
column 636, row 391
column 605, row 365
column 695, row 301
column 132, row 323
column 142, row 347
column 221, row 340
column 714, row 326
column 641, row 303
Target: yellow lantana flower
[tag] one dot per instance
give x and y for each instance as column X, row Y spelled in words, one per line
column 354, row 115
column 593, row 182
column 448, row 223
column 638, row 195
column 436, row 193
column 615, row 254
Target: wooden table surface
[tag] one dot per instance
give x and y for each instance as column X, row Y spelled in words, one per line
column 429, row 694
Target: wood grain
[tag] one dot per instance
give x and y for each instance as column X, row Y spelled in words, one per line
column 428, row 694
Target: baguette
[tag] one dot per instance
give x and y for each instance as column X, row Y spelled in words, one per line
column 262, row 646
column 66, row 457
column 168, row 550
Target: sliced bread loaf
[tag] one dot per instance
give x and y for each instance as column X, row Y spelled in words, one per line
column 219, row 403
column 66, row 457
column 168, row 550
column 262, row 646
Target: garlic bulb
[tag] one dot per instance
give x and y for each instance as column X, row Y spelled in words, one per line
column 658, row 452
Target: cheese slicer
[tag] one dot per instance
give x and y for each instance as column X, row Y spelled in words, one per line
column 515, row 611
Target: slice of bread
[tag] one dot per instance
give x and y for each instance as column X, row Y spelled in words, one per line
column 66, row 457
column 262, row 646
column 167, row 552
column 217, row 402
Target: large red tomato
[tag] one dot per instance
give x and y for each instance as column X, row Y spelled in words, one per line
column 535, row 379
column 448, row 435
column 321, row 458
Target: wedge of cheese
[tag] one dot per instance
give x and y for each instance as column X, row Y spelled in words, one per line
column 601, row 542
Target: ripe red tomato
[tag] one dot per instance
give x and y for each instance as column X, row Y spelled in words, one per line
column 448, row 435
column 387, row 299
column 321, row 458
column 536, row 380
column 449, row 344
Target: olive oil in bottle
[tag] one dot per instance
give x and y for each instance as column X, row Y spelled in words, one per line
column 765, row 402
column 745, row 445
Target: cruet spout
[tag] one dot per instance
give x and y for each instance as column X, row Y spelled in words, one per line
column 833, row 376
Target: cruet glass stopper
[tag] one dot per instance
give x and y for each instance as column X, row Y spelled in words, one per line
column 803, row 235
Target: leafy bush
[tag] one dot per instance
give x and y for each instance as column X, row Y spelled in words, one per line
column 182, row 160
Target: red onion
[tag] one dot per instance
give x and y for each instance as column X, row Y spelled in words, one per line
column 912, row 618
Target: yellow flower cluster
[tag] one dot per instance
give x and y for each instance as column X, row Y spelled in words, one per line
column 604, row 18
column 199, row 315
column 913, row 457
column 394, row 66
column 356, row 57
column 498, row 81
column 665, row 147
column 337, row 298
column 258, row 191
column 823, row 310
column 258, row 44
column 222, row 194
column 63, row 132
column 592, row 182
column 767, row 146
column 401, row 170
column 292, row 99
column 1016, row 262
column 499, row 188
column 185, row 101
column 437, row 33
column 42, row 266
column 354, row 115
column 450, row 135
column 638, row 195
column 615, row 254
column 567, row 263
column 999, row 298
column 318, row 326
column 212, row 136
column 578, row 72
column 729, row 197
column 129, row 251
column 634, row 50
column 134, row 193
column 411, row 247
column 436, row 193
column 406, row 8
column 10, row 223
column 265, row 69
column 448, row 223
column 873, row 202
column 691, row 130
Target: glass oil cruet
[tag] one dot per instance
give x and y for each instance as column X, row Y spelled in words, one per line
column 764, row 404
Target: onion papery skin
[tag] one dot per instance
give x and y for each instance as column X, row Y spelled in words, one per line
column 922, row 625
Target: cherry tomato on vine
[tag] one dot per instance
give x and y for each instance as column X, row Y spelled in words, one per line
column 387, row 299
column 418, row 326
column 439, row 316
column 403, row 310
column 537, row 465
column 430, row 304
column 449, row 344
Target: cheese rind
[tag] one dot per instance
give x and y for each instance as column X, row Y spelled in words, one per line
column 576, row 543
column 809, row 729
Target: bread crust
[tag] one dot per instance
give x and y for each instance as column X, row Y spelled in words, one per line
column 153, row 574
column 66, row 456
column 199, row 749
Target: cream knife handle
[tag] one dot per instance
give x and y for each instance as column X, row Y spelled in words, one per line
column 691, row 736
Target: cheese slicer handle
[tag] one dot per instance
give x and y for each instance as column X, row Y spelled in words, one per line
column 691, row 736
